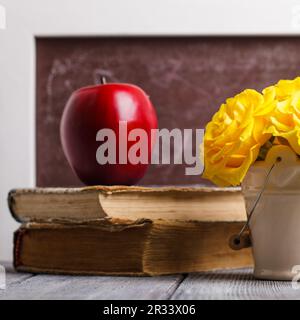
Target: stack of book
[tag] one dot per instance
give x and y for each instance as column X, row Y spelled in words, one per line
column 127, row 230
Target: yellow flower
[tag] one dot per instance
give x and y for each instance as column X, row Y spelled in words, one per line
column 285, row 120
column 234, row 136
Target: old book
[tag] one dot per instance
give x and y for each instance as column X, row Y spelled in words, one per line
column 130, row 203
column 127, row 230
column 117, row 247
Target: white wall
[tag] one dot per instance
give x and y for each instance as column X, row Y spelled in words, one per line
column 26, row 19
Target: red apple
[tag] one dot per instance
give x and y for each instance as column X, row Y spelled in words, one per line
column 92, row 108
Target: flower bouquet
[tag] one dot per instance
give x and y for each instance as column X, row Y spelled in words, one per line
column 254, row 140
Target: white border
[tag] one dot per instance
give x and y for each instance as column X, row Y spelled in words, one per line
column 2, row 17
column 31, row 18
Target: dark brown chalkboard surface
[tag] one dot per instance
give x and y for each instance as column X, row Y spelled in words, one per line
column 187, row 79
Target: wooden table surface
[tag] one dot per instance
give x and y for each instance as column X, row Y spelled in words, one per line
column 224, row 284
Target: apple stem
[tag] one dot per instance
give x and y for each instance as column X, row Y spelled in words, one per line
column 103, row 80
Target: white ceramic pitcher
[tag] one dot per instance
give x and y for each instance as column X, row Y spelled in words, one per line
column 275, row 223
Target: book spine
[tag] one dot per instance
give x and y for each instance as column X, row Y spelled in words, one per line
column 11, row 205
column 17, row 240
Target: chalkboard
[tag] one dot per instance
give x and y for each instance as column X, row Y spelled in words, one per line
column 187, row 79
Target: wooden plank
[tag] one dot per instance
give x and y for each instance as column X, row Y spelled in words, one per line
column 233, row 284
column 13, row 277
column 91, row 287
column 223, row 284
